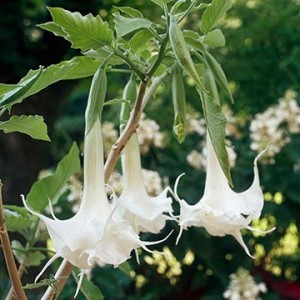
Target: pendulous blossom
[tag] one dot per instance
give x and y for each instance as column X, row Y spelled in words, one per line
column 143, row 212
column 95, row 234
column 221, row 211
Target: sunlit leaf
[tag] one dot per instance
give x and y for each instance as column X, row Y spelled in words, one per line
column 125, row 25
column 213, row 14
column 31, row 125
column 131, row 12
column 84, row 32
column 50, row 187
column 5, row 88
column 77, row 67
column 214, row 39
column 161, row 3
column 17, row 94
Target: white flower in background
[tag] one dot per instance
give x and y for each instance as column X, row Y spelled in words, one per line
column 143, row 212
column 243, row 287
column 274, row 126
column 110, row 135
column 195, row 159
column 94, row 234
column 149, row 134
column 152, row 182
column 198, row 160
column 221, row 211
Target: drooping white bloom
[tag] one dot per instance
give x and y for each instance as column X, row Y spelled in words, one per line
column 143, row 212
column 222, row 211
column 94, row 234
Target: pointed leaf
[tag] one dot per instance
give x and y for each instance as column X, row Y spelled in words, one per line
column 54, row 28
column 77, row 67
column 213, row 14
column 84, row 32
column 51, row 186
column 161, row 3
column 17, row 93
column 215, row 121
column 125, row 25
column 140, row 40
column 16, row 218
column 218, row 73
column 214, row 39
column 131, row 12
column 5, row 88
column 31, row 125
column 88, row 288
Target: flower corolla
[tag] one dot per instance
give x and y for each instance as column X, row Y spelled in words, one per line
column 95, row 234
column 143, row 212
column 221, row 211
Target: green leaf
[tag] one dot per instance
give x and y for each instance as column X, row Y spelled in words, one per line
column 213, row 14
column 218, row 73
column 16, row 218
column 214, row 39
column 15, row 95
column 161, row 3
column 140, row 40
column 125, row 267
column 54, row 28
column 31, row 125
column 131, row 12
column 125, row 25
column 42, row 283
column 5, row 88
column 88, row 288
column 215, row 121
column 31, row 258
column 84, row 32
column 77, row 67
column 51, row 186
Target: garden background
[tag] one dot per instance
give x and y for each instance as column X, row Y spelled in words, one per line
column 262, row 62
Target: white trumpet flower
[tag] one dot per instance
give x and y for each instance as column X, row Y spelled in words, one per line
column 143, row 212
column 94, row 234
column 221, row 211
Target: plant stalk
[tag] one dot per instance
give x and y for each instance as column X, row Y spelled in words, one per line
column 8, row 254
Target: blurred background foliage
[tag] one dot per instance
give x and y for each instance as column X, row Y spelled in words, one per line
column 262, row 62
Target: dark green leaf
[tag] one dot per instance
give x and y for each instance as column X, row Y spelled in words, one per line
column 31, row 125
column 51, row 186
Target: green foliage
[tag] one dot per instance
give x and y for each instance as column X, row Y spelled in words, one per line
column 31, row 125
column 84, row 32
column 31, row 258
column 17, row 218
column 52, row 186
column 213, row 14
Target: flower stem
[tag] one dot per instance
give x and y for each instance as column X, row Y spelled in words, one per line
column 129, row 130
column 8, row 254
